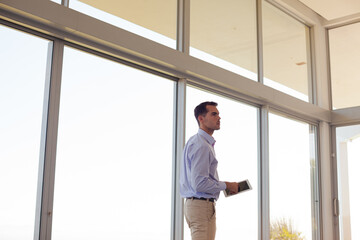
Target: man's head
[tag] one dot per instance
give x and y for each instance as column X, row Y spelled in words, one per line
column 207, row 116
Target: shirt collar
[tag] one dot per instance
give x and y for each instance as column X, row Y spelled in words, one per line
column 207, row 137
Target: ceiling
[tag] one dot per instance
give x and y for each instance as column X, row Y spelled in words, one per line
column 333, row 9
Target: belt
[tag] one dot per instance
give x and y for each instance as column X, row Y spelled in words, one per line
column 205, row 199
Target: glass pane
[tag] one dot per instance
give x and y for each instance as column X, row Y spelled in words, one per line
column 286, row 53
column 224, row 34
column 348, row 155
column 236, row 151
column 22, row 79
column 344, row 56
column 155, row 20
column 114, row 157
column 291, row 178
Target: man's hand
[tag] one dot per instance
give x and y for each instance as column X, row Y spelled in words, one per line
column 232, row 187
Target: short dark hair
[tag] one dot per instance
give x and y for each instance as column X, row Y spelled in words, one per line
column 201, row 109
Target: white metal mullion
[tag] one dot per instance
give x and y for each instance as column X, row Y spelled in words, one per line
column 183, row 26
column 65, row 3
column 312, row 88
column 264, row 211
column 335, row 186
column 48, row 146
column 43, row 142
column 316, row 178
column 329, row 89
column 179, row 142
column 182, row 41
column 260, row 56
column 327, row 182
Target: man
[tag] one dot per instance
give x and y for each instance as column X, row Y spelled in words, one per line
column 199, row 181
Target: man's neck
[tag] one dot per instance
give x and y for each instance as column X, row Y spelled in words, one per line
column 207, row 130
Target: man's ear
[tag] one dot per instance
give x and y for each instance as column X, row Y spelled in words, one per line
column 200, row 118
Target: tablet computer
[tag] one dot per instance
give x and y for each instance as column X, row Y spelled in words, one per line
column 243, row 186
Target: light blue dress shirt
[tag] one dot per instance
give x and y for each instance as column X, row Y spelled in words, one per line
column 198, row 171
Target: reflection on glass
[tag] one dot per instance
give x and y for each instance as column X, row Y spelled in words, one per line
column 344, row 56
column 155, row 20
column 291, row 177
column 286, row 53
column 348, row 154
column 236, row 151
column 114, row 155
column 22, row 78
column 224, row 34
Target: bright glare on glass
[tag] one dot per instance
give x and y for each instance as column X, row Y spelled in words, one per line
column 114, row 156
column 348, row 155
column 155, row 20
column 291, row 176
column 224, row 34
column 22, row 77
column 236, row 151
column 56, row 1
column 287, row 65
column 344, row 55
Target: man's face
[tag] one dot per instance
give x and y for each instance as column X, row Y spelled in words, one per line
column 211, row 121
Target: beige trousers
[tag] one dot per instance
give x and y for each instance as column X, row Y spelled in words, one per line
column 200, row 215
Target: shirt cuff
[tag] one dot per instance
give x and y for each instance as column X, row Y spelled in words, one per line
column 222, row 185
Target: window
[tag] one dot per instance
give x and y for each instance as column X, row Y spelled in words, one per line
column 292, row 177
column 224, row 34
column 114, row 157
column 344, row 54
column 236, row 150
column 22, row 80
column 287, row 65
column 348, row 154
column 155, row 20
